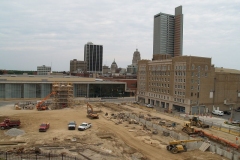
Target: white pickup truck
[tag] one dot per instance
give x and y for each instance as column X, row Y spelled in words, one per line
column 84, row 126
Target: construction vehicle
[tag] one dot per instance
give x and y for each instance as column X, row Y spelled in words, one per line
column 44, row 127
column 195, row 121
column 7, row 123
column 179, row 145
column 187, row 128
column 40, row 105
column 17, row 107
column 90, row 113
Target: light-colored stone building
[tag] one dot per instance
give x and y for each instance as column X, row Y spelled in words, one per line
column 43, row 70
column 187, row 84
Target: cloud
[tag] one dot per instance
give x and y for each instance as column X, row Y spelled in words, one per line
column 40, row 30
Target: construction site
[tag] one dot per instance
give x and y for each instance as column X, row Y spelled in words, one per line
column 119, row 131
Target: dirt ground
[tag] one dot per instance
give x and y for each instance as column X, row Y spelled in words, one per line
column 104, row 140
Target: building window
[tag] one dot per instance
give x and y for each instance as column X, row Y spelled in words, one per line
column 206, row 68
column 205, row 74
column 193, row 67
column 191, row 94
column 199, row 68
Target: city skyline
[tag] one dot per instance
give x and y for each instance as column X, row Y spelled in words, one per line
column 36, row 33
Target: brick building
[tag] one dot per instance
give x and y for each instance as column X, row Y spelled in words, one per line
column 187, row 84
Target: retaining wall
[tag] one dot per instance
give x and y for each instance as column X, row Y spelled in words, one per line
column 215, row 148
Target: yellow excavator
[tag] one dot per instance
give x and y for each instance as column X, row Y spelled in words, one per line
column 179, row 145
column 90, row 113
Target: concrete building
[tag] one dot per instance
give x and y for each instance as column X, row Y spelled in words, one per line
column 132, row 69
column 34, row 86
column 187, row 84
column 43, row 70
column 77, row 66
column 93, row 55
column 136, row 57
column 168, row 34
column 114, row 67
column 106, row 70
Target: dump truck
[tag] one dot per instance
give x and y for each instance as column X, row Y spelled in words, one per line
column 8, row 123
column 195, row 121
column 179, row 145
column 90, row 113
column 44, row 127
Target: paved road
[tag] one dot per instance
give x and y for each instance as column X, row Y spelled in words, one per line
column 236, row 115
column 4, row 103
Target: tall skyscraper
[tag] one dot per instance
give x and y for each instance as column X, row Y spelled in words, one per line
column 93, row 55
column 168, row 34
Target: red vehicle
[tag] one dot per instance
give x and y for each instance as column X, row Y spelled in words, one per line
column 7, row 123
column 44, row 127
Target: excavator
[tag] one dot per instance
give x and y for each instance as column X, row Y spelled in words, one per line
column 179, row 145
column 90, row 113
column 195, row 121
column 40, row 105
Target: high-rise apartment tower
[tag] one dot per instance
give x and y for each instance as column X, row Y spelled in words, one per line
column 168, row 34
column 93, row 55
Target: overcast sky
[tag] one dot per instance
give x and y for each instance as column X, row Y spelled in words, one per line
column 53, row 32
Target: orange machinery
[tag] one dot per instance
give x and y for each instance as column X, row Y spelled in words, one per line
column 40, row 105
column 217, row 139
column 90, row 113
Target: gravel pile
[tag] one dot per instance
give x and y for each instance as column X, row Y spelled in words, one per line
column 14, row 132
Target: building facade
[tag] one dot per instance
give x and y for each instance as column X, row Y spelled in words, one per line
column 168, row 33
column 187, row 84
column 43, row 70
column 33, row 86
column 136, row 57
column 114, row 67
column 93, row 55
column 77, row 66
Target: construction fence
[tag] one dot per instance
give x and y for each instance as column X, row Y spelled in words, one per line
column 29, row 156
column 224, row 151
column 234, row 130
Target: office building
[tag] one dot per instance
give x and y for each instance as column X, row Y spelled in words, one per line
column 35, row 86
column 43, row 70
column 77, row 66
column 93, row 55
column 136, row 57
column 114, row 67
column 187, row 84
column 168, row 34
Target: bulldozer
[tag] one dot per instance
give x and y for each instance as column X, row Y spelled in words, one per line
column 179, row 145
column 195, row 121
column 90, row 113
column 187, row 128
